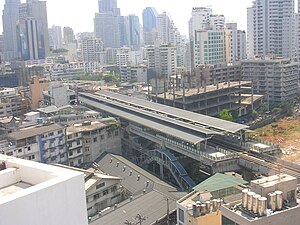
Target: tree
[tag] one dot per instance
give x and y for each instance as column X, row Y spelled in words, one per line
column 225, row 114
column 263, row 107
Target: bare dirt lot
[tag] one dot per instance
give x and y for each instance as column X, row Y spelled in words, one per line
column 285, row 133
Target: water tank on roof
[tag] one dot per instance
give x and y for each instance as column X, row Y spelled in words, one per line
column 279, row 199
column 272, row 201
column 262, row 206
column 249, row 200
column 244, row 198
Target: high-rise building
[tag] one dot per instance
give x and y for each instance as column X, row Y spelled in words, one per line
column 271, row 28
column 107, row 6
column 36, row 12
column 162, row 60
column 199, row 20
column 107, row 28
column 208, row 47
column 149, row 19
column 124, row 30
column 69, row 36
column 235, row 43
column 92, row 50
column 135, row 36
column 9, row 19
column 163, row 27
column 55, row 37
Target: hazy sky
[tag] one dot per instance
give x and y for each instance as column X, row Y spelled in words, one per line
column 79, row 14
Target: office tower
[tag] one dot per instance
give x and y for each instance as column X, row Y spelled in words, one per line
column 69, row 36
column 106, row 27
column 55, row 38
column 36, row 12
column 106, row 6
column 124, row 30
column 92, row 50
column 209, row 47
column 241, row 45
column 149, row 19
column 9, row 18
column 134, row 25
column 271, row 28
column 107, row 23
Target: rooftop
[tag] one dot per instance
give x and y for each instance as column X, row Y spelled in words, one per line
column 273, row 180
column 22, row 177
column 218, row 182
column 209, row 88
column 184, row 118
column 76, row 128
column 33, row 131
column 149, row 193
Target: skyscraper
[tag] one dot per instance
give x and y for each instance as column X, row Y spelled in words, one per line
column 36, row 12
column 10, row 18
column 107, row 5
column 107, row 23
column 134, row 24
column 149, row 19
column 107, row 28
column 271, row 28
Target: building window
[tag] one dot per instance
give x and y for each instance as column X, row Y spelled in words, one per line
column 9, row 153
column 95, row 139
column 181, row 215
column 19, row 150
column 105, row 192
column 70, row 153
column 51, row 134
column 100, row 185
column 102, row 137
column 96, row 196
column 114, row 188
column 33, row 157
column 78, row 150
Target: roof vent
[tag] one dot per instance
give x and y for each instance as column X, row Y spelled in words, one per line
column 124, row 168
column 118, row 164
column 147, row 183
column 138, row 177
column 111, row 160
column 116, row 205
column 130, row 173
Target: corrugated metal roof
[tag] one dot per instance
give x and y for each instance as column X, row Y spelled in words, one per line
column 203, row 119
column 187, row 136
column 218, row 182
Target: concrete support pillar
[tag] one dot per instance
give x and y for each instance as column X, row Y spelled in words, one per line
column 161, row 171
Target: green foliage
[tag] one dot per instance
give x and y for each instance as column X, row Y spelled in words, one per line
column 225, row 114
column 276, row 110
column 115, row 78
column 263, row 108
column 254, row 114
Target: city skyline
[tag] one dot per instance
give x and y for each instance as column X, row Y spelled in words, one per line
column 56, row 12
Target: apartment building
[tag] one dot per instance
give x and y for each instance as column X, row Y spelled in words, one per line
column 44, row 144
column 276, row 78
column 132, row 73
column 12, row 103
column 89, row 140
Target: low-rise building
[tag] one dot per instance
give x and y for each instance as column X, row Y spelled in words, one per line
column 146, row 197
column 270, row 200
column 101, row 190
column 59, row 95
column 130, row 73
column 42, row 143
column 203, row 205
column 89, row 140
column 35, row 193
column 12, row 103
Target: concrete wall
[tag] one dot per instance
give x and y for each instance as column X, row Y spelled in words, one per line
column 287, row 217
column 56, row 197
